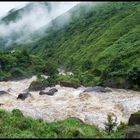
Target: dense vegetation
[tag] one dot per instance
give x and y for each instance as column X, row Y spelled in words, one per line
column 15, row 125
column 17, row 64
column 100, row 42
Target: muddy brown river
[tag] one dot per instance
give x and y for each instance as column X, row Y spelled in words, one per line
column 90, row 107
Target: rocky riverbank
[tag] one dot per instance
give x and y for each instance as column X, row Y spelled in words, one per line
column 89, row 106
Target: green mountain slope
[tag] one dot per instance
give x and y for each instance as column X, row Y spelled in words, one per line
column 99, row 42
column 106, row 35
column 16, row 26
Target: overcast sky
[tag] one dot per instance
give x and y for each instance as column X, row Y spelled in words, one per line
column 6, row 6
column 34, row 19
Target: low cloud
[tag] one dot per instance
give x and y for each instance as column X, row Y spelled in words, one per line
column 32, row 20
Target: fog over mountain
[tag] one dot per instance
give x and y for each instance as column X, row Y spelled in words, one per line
column 70, row 70
column 6, row 6
column 23, row 21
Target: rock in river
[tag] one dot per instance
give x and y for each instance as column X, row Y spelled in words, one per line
column 67, row 84
column 23, row 95
column 50, row 92
column 97, row 89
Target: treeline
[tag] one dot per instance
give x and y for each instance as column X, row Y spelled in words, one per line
column 17, row 64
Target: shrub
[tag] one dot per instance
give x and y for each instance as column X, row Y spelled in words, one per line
column 50, row 69
column 4, row 75
column 110, row 124
column 134, row 75
column 51, row 80
column 17, row 72
column 122, row 127
column 87, row 65
column 17, row 113
column 136, row 87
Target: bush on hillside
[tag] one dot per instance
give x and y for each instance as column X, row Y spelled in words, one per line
column 134, row 75
column 17, row 72
column 110, row 124
column 50, row 69
column 86, row 65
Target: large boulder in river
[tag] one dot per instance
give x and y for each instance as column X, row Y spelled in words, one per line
column 134, row 119
column 68, row 84
column 42, row 92
column 37, row 85
column 23, row 95
column 97, row 89
column 50, row 92
column 133, row 130
column 40, row 85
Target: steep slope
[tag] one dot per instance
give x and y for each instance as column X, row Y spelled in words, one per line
column 98, row 42
column 16, row 26
column 21, row 25
column 106, row 36
column 16, row 14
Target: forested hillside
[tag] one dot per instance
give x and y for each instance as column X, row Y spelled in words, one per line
column 66, row 68
column 100, row 43
column 103, row 39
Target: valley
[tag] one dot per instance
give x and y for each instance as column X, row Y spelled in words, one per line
column 71, row 71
